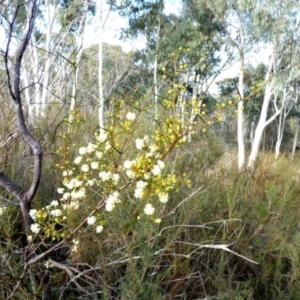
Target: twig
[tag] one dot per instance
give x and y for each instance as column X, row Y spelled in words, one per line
column 220, row 247
column 185, row 199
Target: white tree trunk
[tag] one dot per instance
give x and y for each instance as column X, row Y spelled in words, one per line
column 26, row 85
column 295, row 140
column 282, row 119
column 36, row 74
column 261, row 124
column 279, row 134
column 240, row 136
column 100, row 74
column 79, row 49
column 252, row 133
column 49, row 59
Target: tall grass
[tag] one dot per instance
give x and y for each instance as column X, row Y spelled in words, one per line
column 256, row 216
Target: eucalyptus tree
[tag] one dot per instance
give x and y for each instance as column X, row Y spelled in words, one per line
column 199, row 33
column 295, row 139
column 145, row 19
column 117, row 68
column 74, row 18
column 261, row 24
column 277, row 24
column 253, row 96
column 187, row 45
column 197, row 30
column 290, row 97
column 234, row 17
column 100, row 67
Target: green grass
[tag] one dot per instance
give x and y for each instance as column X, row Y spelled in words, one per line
column 257, row 215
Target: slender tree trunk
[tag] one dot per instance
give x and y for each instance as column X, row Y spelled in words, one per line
column 252, row 133
column 24, row 197
column 280, row 130
column 295, row 140
column 49, row 60
column 240, row 120
column 79, row 49
column 240, row 136
column 260, row 125
column 100, row 74
column 155, row 71
column 36, row 75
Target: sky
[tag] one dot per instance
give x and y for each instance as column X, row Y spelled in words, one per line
column 114, row 23
column 112, row 31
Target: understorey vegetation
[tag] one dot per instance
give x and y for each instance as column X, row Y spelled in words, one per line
column 123, row 176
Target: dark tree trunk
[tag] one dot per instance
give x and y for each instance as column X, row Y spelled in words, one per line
column 25, row 197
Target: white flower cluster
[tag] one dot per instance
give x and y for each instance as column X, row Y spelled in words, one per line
column 142, row 143
column 33, row 214
column 60, row 190
column 77, row 160
column 140, row 186
column 54, row 212
column 107, row 175
column 149, row 209
column 102, row 137
column 72, row 184
column 67, row 173
column 112, row 200
column 99, row 229
column 90, row 148
column 35, row 228
column 127, row 165
column 156, row 170
column 78, row 194
column 130, row 116
column 163, row 197
column 85, row 168
column 53, row 203
column 91, row 220
column 95, row 164
column 75, row 187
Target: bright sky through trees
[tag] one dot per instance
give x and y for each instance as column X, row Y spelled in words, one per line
column 112, row 31
column 114, row 24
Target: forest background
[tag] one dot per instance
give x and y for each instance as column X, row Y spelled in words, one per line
column 123, row 177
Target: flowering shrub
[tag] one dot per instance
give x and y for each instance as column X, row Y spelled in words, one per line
column 122, row 164
column 121, row 167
